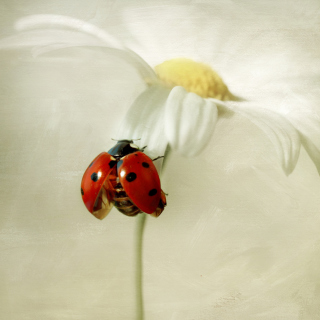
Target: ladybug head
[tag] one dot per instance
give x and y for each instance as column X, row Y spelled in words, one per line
column 123, row 148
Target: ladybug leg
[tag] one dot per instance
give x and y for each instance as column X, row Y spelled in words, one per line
column 157, row 158
column 142, row 149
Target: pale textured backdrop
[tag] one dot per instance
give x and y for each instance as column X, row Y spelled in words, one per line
column 238, row 240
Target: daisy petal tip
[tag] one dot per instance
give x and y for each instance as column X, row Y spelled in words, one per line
column 279, row 130
column 288, row 169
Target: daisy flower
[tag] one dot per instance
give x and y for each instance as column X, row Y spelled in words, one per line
column 184, row 99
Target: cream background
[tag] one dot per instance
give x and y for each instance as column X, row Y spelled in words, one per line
column 238, row 240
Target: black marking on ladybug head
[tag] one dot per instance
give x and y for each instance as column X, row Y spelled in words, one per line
column 82, row 191
column 145, row 164
column 112, row 163
column 122, row 148
column 94, row 177
column 131, row 177
column 152, row 192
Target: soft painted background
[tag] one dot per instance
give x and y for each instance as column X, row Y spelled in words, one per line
column 238, row 240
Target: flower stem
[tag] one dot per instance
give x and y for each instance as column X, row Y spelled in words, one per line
column 141, row 218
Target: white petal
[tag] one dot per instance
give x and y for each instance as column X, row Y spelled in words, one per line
column 85, row 34
column 145, row 121
column 279, row 130
column 308, row 126
column 50, row 20
column 312, row 149
column 47, row 37
column 189, row 121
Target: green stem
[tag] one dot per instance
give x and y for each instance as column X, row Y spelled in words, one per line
column 141, row 218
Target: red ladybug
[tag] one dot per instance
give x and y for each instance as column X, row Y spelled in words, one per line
column 124, row 177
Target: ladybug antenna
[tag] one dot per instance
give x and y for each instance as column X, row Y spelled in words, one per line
column 126, row 139
column 157, row 158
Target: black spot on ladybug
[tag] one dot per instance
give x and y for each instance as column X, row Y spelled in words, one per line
column 131, row 177
column 136, row 154
column 112, row 163
column 90, row 164
column 82, row 191
column 94, row 177
column 152, row 192
column 145, row 164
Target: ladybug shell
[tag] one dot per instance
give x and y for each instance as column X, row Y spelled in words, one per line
column 140, row 180
column 95, row 195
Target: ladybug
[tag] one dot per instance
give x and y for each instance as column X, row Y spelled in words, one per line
column 124, row 177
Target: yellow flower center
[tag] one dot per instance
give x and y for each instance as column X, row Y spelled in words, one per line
column 194, row 77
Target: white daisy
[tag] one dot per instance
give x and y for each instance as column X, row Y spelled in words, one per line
column 184, row 99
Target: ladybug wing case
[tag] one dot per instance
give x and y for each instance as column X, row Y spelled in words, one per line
column 140, row 180
column 95, row 185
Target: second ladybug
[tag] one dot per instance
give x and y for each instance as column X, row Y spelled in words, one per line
column 123, row 177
